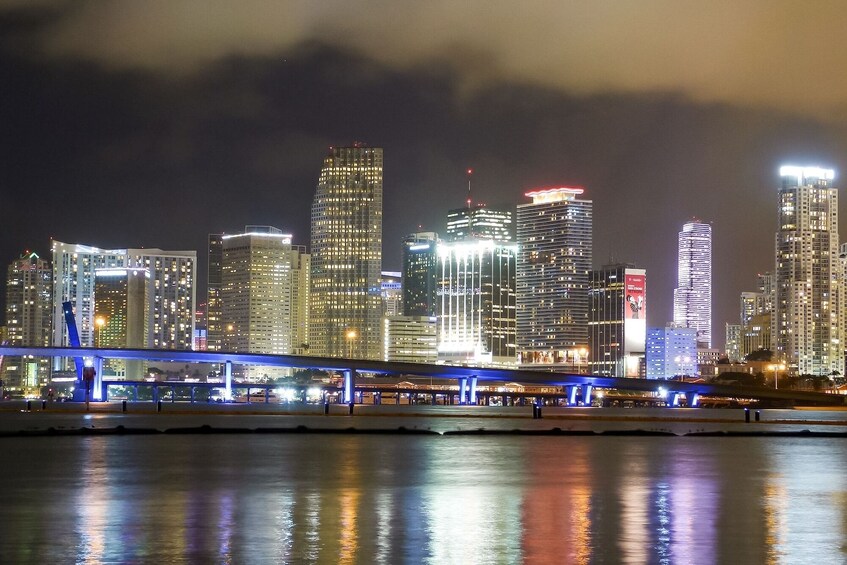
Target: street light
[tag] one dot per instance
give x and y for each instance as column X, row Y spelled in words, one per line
column 580, row 354
column 776, row 368
column 99, row 321
column 350, row 335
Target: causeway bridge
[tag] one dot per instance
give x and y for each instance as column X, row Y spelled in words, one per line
column 575, row 387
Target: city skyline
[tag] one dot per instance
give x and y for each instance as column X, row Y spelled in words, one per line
column 231, row 137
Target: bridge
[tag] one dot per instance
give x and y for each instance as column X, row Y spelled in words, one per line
column 577, row 387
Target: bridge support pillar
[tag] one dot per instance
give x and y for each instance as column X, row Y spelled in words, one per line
column 586, row 394
column 433, row 400
column 674, row 399
column 228, row 381
column 692, row 399
column 98, row 391
column 472, row 399
column 571, row 396
column 463, row 389
column 349, row 384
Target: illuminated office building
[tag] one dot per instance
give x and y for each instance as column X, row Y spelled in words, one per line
column 733, row 342
column 171, row 295
column 476, row 289
column 214, row 330
column 808, row 335
column 420, row 274
column 120, row 317
column 73, row 281
column 617, row 323
column 411, row 339
column 554, row 233
column 29, row 287
column 391, row 288
column 264, row 288
column 692, row 299
column 346, row 301
column 671, row 352
column 479, row 222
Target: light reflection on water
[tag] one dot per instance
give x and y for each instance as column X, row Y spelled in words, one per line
column 399, row 499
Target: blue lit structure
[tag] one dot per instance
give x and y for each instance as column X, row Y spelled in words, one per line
column 350, row 367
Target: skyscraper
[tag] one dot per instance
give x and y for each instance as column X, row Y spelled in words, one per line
column 692, row 299
column 420, row 275
column 617, row 323
column 263, row 303
column 28, row 320
column 120, row 316
column 554, row 234
column 171, row 295
column 808, row 336
column 479, row 222
column 73, row 281
column 476, row 288
column 346, row 313
column 214, row 330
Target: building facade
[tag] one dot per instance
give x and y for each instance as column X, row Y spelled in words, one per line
column 479, row 222
column 120, row 316
column 264, row 288
column 346, row 302
column 420, row 274
column 808, row 335
column 554, row 233
column 671, row 352
column 617, row 323
column 692, row 306
column 214, row 328
column 29, row 288
column 476, row 290
column 411, row 339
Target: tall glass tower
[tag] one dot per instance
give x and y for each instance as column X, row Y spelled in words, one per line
column 806, row 327
column 692, row 299
column 346, row 312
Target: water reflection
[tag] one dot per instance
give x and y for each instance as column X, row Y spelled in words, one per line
column 394, row 499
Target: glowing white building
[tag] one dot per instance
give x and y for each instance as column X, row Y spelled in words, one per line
column 692, row 299
column 476, row 291
column 808, row 335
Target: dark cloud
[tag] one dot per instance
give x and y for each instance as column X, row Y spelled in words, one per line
column 126, row 155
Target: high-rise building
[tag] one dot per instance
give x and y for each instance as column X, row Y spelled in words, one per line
column 29, row 287
column 554, row 233
column 671, row 352
column 73, row 281
column 733, row 342
column 479, row 222
column 264, row 285
column 214, row 329
column 391, row 288
column 420, row 274
column 692, row 304
column 120, row 316
column 617, row 323
column 808, row 335
column 476, row 288
column 171, row 295
column 346, row 312
column 411, row 339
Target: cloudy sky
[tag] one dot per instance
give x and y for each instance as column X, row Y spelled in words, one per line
column 153, row 123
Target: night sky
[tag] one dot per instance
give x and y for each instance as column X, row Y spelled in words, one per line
column 155, row 123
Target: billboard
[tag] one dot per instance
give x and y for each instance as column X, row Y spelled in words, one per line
column 635, row 310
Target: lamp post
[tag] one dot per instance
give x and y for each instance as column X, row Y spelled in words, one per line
column 99, row 322
column 776, row 368
column 350, row 335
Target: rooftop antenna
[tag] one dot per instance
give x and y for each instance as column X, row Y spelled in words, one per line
column 470, row 174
